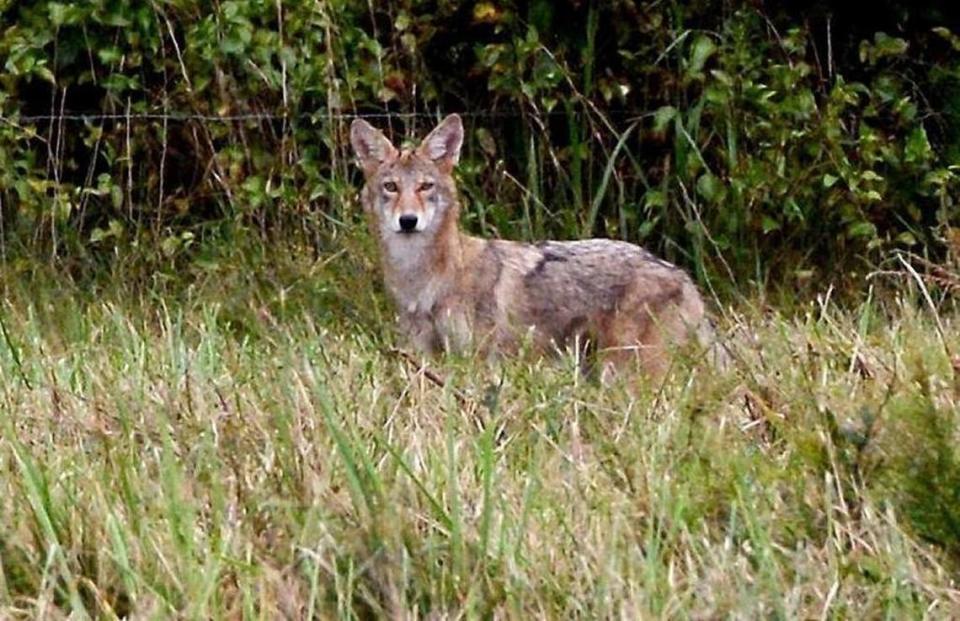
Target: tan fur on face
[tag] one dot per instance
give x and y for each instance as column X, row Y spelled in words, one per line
column 454, row 290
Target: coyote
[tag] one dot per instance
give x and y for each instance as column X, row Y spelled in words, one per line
column 454, row 291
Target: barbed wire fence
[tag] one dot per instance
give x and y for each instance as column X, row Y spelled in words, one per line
column 604, row 132
column 151, row 196
column 627, row 115
column 27, row 123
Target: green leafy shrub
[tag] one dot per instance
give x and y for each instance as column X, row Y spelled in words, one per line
column 922, row 476
column 728, row 140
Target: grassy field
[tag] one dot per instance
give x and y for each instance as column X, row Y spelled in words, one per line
column 249, row 446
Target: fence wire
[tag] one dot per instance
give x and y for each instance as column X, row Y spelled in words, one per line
column 268, row 116
column 222, row 118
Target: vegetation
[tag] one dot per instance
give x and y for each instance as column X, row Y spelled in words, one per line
column 734, row 140
column 204, row 413
column 225, row 453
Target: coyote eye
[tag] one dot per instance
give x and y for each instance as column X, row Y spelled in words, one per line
column 390, row 186
column 425, row 186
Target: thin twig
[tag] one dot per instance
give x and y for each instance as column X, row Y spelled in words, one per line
column 706, row 232
column 14, row 353
column 929, row 300
column 129, row 150
column 431, row 375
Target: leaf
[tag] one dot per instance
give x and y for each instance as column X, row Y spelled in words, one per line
column 109, row 54
column 58, row 14
column 769, row 224
column 45, row 74
column 116, row 228
column 702, row 49
column 723, row 77
column 886, row 45
column 663, row 117
column 169, row 246
column 709, row 187
column 949, row 36
column 486, row 12
column 829, row 180
column 861, row 229
column 717, row 94
column 116, row 196
column 647, row 226
column 486, row 141
column 918, row 147
column 98, row 235
column 883, row 46
column 907, row 238
column 654, row 198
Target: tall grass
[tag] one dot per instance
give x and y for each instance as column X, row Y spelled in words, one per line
column 234, row 449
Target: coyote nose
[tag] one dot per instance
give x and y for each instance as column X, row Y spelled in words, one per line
column 408, row 223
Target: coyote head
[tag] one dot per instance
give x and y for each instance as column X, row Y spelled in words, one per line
column 409, row 192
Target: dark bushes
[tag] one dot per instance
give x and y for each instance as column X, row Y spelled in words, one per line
column 754, row 141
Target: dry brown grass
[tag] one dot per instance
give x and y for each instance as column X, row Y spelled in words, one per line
column 189, row 460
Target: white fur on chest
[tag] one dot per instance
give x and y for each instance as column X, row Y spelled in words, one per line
column 411, row 278
column 419, row 296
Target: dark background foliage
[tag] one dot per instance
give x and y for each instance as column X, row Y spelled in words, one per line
column 756, row 141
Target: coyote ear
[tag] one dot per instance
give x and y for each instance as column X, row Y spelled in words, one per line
column 370, row 145
column 442, row 145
